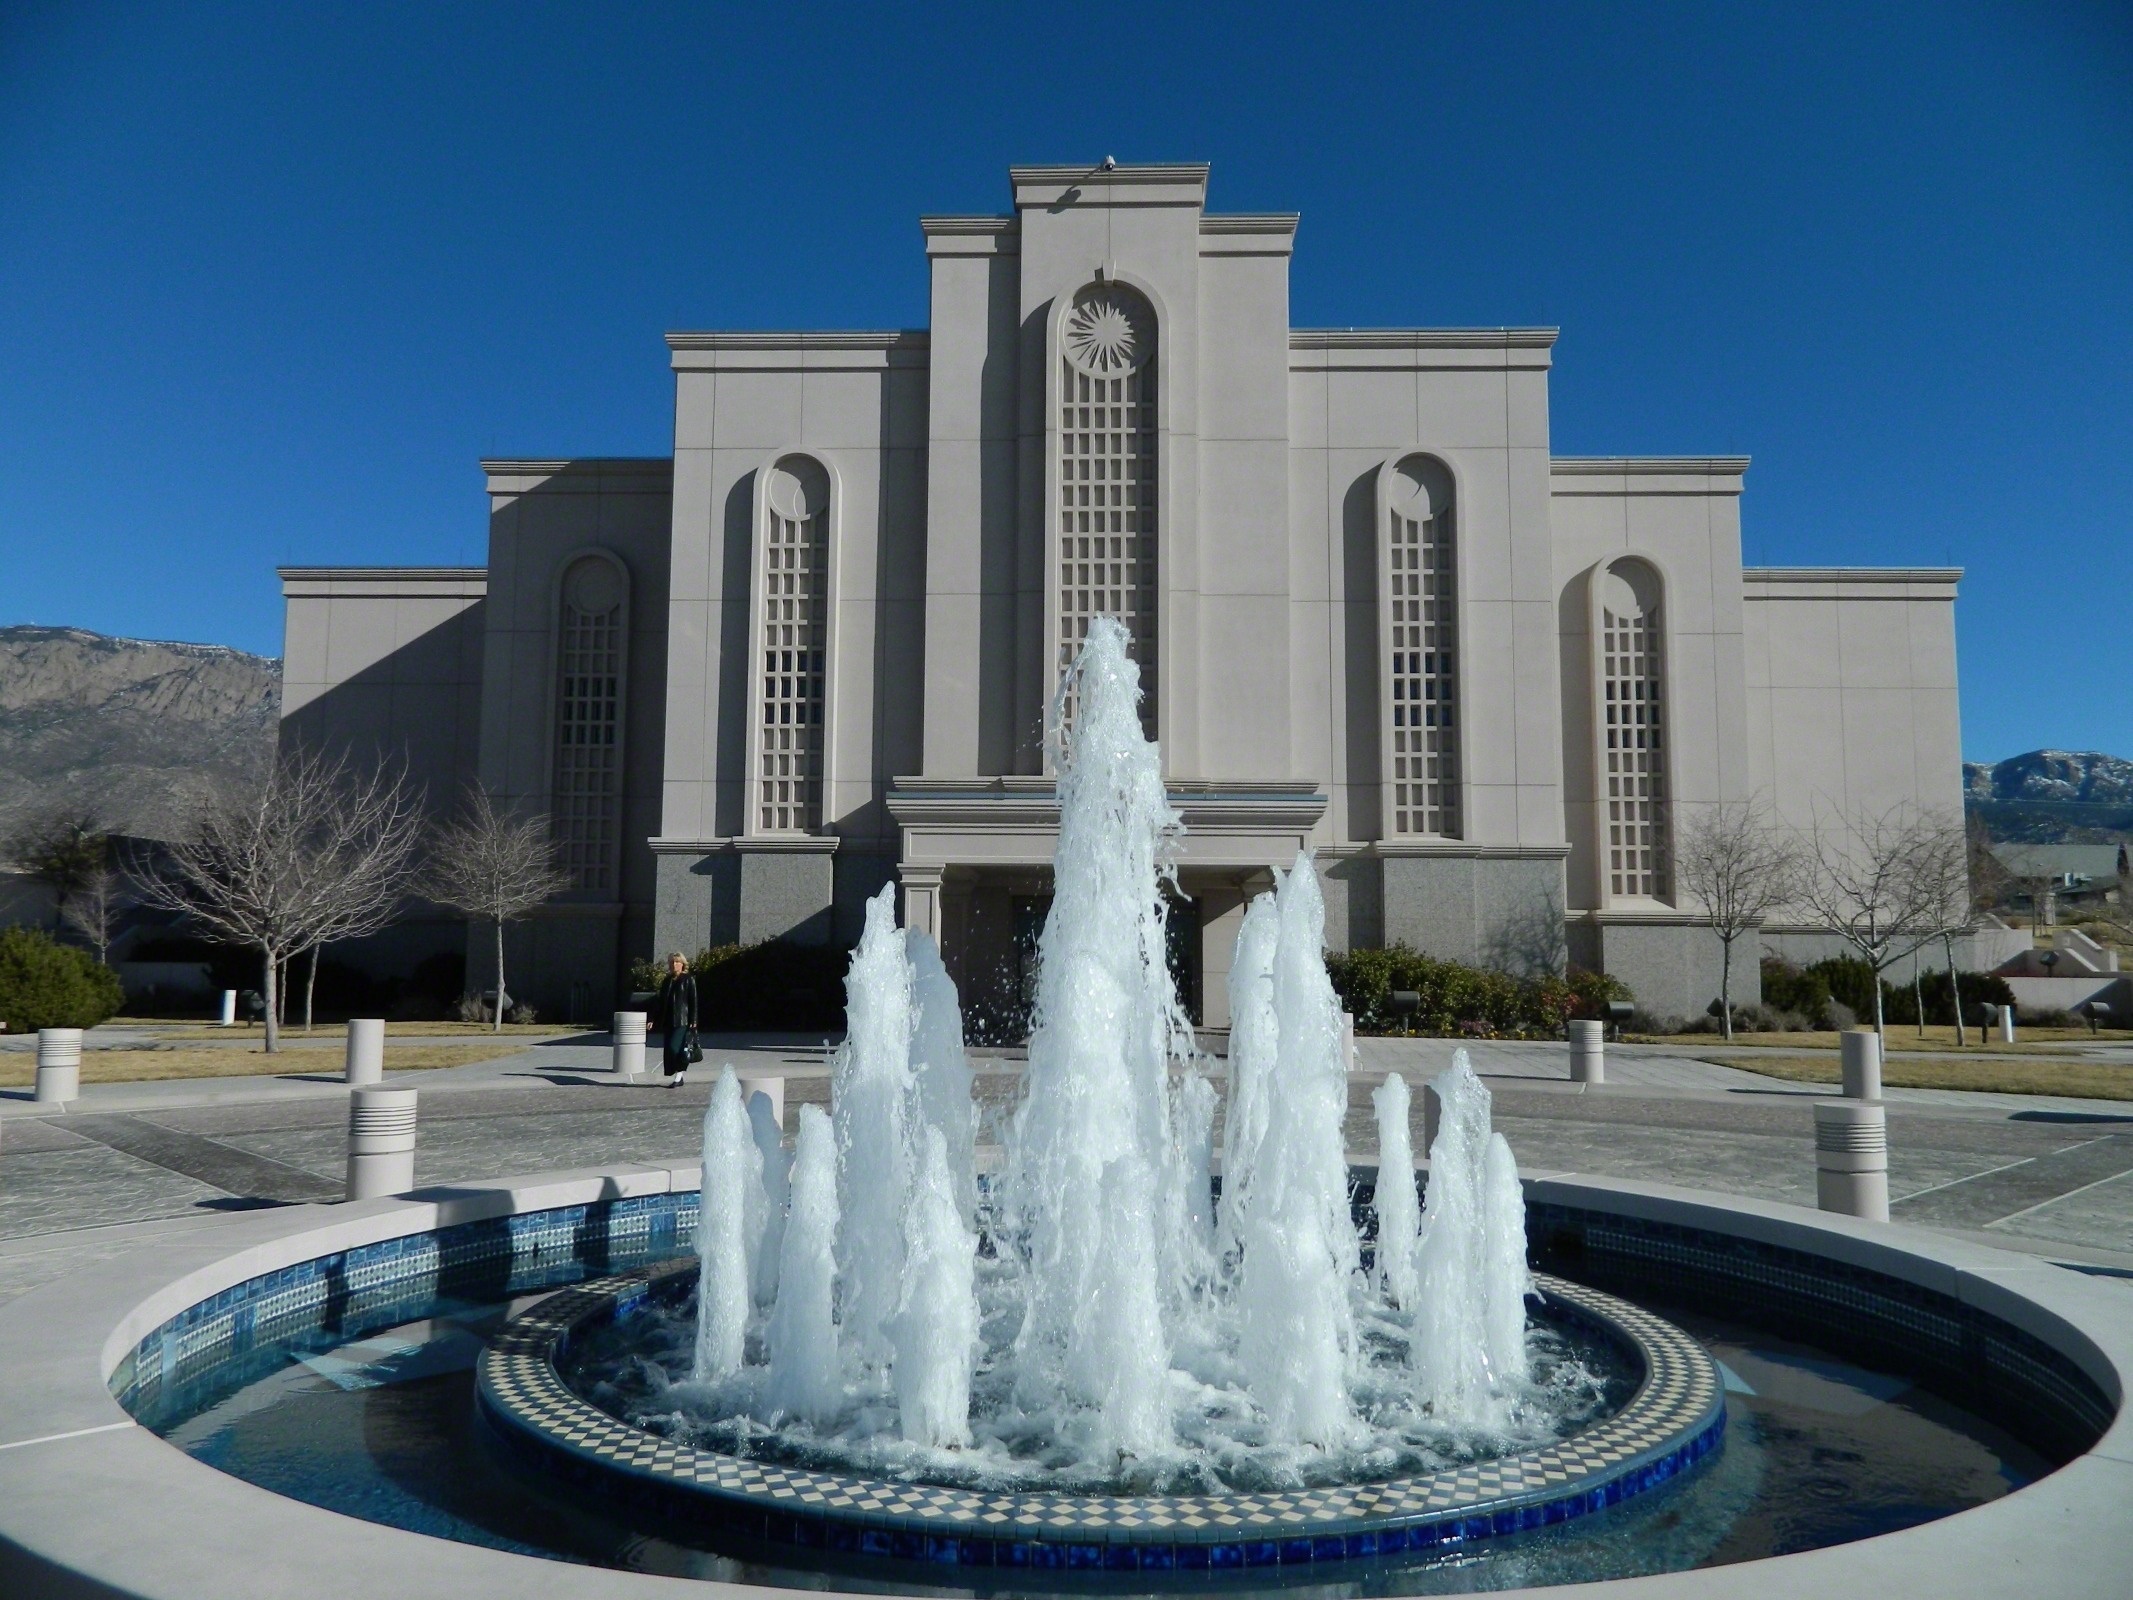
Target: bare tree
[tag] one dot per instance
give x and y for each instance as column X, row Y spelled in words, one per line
column 93, row 910
column 1735, row 862
column 493, row 864
column 60, row 848
column 381, row 865
column 279, row 868
column 1880, row 881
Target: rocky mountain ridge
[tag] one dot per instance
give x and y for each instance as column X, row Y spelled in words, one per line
column 130, row 730
column 2052, row 796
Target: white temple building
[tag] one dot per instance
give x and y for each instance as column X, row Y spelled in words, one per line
column 1376, row 616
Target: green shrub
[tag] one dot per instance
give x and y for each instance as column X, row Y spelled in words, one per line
column 1458, row 999
column 43, row 984
column 1789, row 988
column 771, row 986
column 1900, row 1001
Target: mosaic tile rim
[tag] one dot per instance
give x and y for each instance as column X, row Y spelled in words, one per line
column 1674, row 1418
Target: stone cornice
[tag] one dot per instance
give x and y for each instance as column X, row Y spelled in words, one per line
column 965, row 227
column 882, row 339
column 605, row 466
column 1251, row 222
column 1143, row 174
column 1466, row 850
column 1851, row 574
column 769, row 844
column 1646, row 466
column 342, row 582
column 1422, row 338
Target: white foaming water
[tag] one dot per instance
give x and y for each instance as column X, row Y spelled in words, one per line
column 870, row 1092
column 728, row 1227
column 1469, row 1325
column 806, row 1377
column 1399, row 1216
column 777, row 1192
column 942, row 1069
column 1299, row 1336
column 935, row 1330
column 1090, row 1149
column 1118, row 1332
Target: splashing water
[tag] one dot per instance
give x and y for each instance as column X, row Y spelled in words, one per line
column 1116, row 1329
column 729, row 1226
column 806, row 1377
column 1399, row 1217
column 870, row 1092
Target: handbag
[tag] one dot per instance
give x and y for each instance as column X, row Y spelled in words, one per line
column 689, row 1045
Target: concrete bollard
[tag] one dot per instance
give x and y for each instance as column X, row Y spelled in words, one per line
column 629, row 1044
column 229, row 1009
column 58, row 1065
column 771, row 1088
column 2007, row 1025
column 1348, row 1059
column 1852, row 1158
column 366, row 1050
column 1862, row 1063
column 381, row 1142
column 1588, row 1052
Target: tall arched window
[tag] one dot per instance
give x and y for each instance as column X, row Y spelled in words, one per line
column 1107, row 475
column 1418, row 624
column 591, row 657
column 792, row 651
column 1632, row 729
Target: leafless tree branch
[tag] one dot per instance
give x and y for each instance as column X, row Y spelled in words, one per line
column 494, row 865
column 1735, row 863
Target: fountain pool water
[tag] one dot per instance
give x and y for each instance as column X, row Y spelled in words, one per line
column 1096, row 1322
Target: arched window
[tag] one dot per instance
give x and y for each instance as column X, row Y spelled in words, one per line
column 591, row 656
column 792, row 652
column 1418, row 622
column 1107, row 475
column 1632, row 728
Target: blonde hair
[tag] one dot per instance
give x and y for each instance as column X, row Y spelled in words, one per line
column 676, row 955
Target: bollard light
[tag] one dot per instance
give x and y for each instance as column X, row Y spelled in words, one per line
column 770, row 1087
column 58, row 1065
column 1588, row 1052
column 381, row 1142
column 366, row 1051
column 1862, row 1064
column 629, row 1045
column 1852, row 1158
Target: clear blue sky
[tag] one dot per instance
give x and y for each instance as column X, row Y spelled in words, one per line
column 273, row 277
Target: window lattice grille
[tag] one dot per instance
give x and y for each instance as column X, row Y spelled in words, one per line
column 1636, row 754
column 793, row 682
column 1107, row 513
column 588, row 776
column 1424, row 676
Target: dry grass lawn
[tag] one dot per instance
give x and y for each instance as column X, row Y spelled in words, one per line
column 18, row 1070
column 1902, row 1036
column 294, row 1032
column 2088, row 1080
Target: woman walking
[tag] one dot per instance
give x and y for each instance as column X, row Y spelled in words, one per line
column 680, row 1017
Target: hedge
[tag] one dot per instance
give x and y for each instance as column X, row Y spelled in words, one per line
column 768, row 987
column 1850, row 982
column 1456, row 999
column 44, row 984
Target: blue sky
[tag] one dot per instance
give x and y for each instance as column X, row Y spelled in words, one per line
column 273, row 277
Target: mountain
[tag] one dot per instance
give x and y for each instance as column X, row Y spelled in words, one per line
column 2052, row 796
column 129, row 729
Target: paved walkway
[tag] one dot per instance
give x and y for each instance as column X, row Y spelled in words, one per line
column 2050, row 1176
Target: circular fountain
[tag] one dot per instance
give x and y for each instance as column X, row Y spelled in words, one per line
column 822, row 1366
column 1092, row 1358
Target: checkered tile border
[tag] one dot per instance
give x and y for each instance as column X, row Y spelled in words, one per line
column 1676, row 1416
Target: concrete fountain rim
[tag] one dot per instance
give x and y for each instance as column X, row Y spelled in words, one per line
column 91, row 1503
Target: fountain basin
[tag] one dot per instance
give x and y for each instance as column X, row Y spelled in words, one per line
column 92, row 1502
column 1675, row 1416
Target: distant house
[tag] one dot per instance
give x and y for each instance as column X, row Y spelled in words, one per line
column 2063, row 875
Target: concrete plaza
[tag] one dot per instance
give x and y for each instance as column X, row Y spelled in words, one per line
column 2045, row 1175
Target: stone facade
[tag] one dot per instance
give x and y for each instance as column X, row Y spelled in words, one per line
column 1379, row 619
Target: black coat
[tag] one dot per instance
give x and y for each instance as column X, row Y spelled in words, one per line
column 680, row 1018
